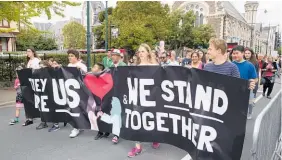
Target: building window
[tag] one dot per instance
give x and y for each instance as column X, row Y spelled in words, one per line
column 201, row 19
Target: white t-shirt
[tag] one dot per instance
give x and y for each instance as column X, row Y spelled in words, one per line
column 80, row 65
column 33, row 63
column 173, row 63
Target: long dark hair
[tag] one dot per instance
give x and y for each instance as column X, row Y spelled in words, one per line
column 33, row 51
column 253, row 58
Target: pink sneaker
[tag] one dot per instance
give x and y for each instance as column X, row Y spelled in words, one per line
column 155, row 145
column 115, row 139
column 134, row 152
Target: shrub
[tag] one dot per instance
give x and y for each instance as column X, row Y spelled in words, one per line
column 9, row 62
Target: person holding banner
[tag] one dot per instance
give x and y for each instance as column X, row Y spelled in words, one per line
column 217, row 53
column 33, row 62
column 146, row 59
column 247, row 71
column 73, row 56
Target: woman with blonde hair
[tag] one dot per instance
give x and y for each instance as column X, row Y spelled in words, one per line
column 146, row 58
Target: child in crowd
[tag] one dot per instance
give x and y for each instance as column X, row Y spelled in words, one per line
column 19, row 99
column 98, row 68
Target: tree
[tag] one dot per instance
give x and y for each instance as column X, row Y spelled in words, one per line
column 184, row 33
column 102, row 14
column 140, row 22
column 202, row 35
column 33, row 37
column 22, row 11
column 181, row 26
column 99, row 36
column 74, row 35
column 279, row 50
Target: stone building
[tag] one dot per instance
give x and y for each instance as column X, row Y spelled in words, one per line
column 227, row 22
column 55, row 30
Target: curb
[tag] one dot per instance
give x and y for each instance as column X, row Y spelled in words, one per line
column 6, row 103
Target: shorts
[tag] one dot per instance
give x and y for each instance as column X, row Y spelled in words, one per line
column 19, row 105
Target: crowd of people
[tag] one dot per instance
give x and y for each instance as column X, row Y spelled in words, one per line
column 240, row 62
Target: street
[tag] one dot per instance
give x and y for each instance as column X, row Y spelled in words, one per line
column 26, row 143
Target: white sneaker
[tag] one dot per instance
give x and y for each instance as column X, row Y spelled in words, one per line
column 75, row 132
column 249, row 116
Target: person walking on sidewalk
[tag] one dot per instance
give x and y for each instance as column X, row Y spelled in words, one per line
column 19, row 99
column 268, row 73
column 251, row 57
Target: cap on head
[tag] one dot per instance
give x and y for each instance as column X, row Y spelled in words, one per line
column 116, row 52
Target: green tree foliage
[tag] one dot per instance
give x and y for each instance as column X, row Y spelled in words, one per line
column 202, row 35
column 149, row 22
column 184, row 33
column 34, row 38
column 102, row 14
column 100, row 31
column 22, row 11
column 74, row 35
column 279, row 50
column 140, row 22
column 99, row 36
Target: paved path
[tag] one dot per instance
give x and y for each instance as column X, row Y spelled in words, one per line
column 8, row 95
column 26, row 143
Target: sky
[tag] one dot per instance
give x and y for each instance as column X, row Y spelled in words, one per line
column 273, row 15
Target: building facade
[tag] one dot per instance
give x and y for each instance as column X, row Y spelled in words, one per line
column 8, row 32
column 55, row 30
column 227, row 22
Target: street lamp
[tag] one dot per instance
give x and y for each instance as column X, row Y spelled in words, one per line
column 106, row 19
column 88, row 36
column 267, row 40
column 252, row 26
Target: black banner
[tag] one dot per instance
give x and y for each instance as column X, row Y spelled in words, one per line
column 201, row 112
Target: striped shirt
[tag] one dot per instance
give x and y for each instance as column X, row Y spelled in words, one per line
column 227, row 68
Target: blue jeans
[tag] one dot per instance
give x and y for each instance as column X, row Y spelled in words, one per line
column 251, row 103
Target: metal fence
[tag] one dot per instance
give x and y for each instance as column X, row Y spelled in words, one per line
column 267, row 131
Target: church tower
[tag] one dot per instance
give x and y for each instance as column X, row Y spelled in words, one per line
column 251, row 8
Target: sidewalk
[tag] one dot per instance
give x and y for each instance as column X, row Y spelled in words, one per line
column 7, row 96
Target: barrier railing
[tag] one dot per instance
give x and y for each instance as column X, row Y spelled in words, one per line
column 267, row 131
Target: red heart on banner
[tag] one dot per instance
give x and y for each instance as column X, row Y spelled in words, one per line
column 99, row 86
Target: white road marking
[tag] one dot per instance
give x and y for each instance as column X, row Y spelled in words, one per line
column 187, row 157
column 5, row 103
column 258, row 98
